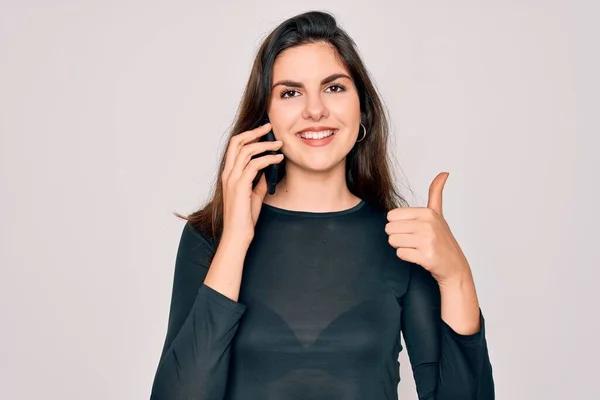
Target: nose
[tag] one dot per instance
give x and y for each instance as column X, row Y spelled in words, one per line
column 315, row 108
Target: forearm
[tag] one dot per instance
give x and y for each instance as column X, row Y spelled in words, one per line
column 225, row 272
column 460, row 306
column 466, row 371
column 449, row 356
column 196, row 364
column 202, row 322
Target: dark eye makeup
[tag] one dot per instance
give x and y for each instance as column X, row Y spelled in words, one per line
column 289, row 93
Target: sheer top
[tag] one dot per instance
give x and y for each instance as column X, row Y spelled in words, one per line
column 323, row 302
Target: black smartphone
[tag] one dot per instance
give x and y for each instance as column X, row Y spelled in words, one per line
column 271, row 171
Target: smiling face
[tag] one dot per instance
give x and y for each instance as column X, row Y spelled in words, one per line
column 314, row 107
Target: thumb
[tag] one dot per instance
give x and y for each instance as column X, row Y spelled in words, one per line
column 435, row 192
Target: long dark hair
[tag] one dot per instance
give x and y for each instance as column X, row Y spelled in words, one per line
column 368, row 172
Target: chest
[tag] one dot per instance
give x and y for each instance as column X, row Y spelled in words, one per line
column 318, row 304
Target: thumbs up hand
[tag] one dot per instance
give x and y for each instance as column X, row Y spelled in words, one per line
column 422, row 236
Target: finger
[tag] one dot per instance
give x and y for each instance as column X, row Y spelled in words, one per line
column 434, row 201
column 257, row 164
column 246, row 154
column 408, row 213
column 410, row 255
column 408, row 240
column 238, row 141
column 409, row 226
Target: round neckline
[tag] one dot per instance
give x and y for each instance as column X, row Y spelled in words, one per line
column 314, row 214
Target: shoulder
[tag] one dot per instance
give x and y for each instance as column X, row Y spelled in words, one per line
column 193, row 233
column 195, row 245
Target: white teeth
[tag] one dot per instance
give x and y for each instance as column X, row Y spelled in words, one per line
column 316, row 135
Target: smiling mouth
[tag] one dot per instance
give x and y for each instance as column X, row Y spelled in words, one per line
column 311, row 135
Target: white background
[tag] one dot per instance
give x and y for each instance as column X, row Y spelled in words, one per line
column 113, row 113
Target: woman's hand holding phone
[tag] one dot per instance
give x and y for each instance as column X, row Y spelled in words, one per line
column 242, row 202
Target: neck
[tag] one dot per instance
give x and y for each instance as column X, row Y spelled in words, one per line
column 304, row 190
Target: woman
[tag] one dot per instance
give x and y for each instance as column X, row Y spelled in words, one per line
column 302, row 294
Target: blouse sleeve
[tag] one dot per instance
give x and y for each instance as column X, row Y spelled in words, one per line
column 445, row 364
column 194, row 361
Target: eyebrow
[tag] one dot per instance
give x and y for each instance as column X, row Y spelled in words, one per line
column 294, row 84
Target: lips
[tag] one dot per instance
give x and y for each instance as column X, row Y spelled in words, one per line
column 317, row 129
column 317, row 139
column 316, row 132
column 317, row 135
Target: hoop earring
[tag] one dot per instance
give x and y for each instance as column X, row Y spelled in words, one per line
column 364, row 133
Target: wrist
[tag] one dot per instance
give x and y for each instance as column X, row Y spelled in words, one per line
column 457, row 280
column 236, row 239
column 460, row 306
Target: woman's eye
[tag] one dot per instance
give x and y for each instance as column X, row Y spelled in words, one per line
column 288, row 93
column 336, row 88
